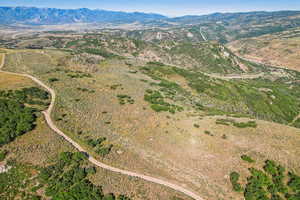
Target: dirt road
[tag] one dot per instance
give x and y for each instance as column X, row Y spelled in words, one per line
column 47, row 114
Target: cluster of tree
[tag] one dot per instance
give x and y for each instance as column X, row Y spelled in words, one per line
column 271, row 183
column 32, row 95
column 67, row 180
column 15, row 120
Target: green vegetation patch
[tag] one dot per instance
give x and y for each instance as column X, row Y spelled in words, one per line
column 32, row 96
column 85, row 90
column 271, row 183
column 15, row 120
column 156, row 99
column 225, row 122
column 51, row 80
column 115, row 86
column 67, row 179
column 247, row 158
column 249, row 124
column 234, row 178
column 99, row 147
column 15, row 183
column 260, row 98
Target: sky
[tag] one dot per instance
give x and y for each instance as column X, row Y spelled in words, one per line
column 167, row 7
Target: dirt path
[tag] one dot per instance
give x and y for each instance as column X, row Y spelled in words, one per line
column 235, row 76
column 202, row 35
column 47, row 114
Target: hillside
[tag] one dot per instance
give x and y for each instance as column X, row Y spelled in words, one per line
column 280, row 49
column 194, row 54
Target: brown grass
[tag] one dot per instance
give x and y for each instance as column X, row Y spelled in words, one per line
column 10, row 82
column 280, row 49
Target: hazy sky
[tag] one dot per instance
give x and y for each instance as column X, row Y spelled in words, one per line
column 167, row 7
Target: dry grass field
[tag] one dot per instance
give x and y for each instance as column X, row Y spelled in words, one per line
column 187, row 148
column 280, row 49
column 10, row 82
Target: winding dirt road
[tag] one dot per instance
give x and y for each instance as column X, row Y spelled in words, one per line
column 47, row 114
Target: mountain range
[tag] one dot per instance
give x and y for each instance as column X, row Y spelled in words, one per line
column 47, row 16
column 40, row 16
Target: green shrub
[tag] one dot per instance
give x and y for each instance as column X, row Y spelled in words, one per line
column 159, row 108
column 294, row 182
column 123, row 99
column 3, row 154
column 51, row 80
column 224, row 136
column 196, row 126
column 247, row 158
column 251, row 124
column 96, row 142
column 103, row 151
column 208, row 133
column 226, row 122
column 234, row 178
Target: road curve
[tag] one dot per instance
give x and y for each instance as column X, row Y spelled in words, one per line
column 47, row 114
